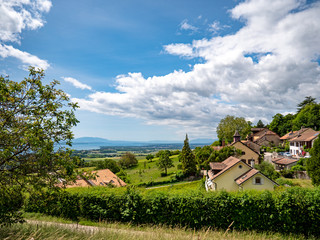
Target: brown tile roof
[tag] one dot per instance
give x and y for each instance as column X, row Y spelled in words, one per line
column 103, row 178
column 217, row 165
column 293, row 134
column 244, row 177
column 305, row 136
column 284, row 161
column 229, row 162
column 249, row 145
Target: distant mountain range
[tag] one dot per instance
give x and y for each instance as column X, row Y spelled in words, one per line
column 99, row 142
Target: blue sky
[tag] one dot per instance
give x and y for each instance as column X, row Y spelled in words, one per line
column 155, row 70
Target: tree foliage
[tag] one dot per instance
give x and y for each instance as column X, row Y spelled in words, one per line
column 281, row 124
column 305, row 102
column 149, row 157
column 260, row 124
column 313, row 163
column 112, row 165
column 228, row 125
column 187, row 159
column 223, row 154
column 308, row 116
column 267, row 169
column 34, row 120
column 127, row 160
column 164, row 161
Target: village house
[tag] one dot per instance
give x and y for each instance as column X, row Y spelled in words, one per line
column 104, row 177
column 304, row 137
column 283, row 163
column 264, row 137
column 233, row 175
column 250, row 150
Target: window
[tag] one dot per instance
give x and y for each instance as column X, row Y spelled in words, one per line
column 240, row 166
column 258, row 181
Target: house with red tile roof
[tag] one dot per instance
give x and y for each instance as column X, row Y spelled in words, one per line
column 299, row 139
column 283, row 163
column 233, row 174
column 103, row 177
column 264, row 137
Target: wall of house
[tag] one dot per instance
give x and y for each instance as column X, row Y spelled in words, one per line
column 226, row 180
column 266, row 184
column 249, row 154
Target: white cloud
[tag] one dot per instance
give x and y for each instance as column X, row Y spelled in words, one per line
column 184, row 25
column 24, row 57
column 77, row 83
column 214, row 27
column 267, row 67
column 185, row 50
column 16, row 16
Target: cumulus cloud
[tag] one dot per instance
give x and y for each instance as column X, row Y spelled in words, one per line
column 267, row 67
column 77, row 83
column 16, row 16
column 24, row 57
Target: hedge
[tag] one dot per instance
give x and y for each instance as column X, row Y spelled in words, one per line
column 294, row 210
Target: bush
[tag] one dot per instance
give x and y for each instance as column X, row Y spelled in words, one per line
column 293, row 210
column 286, row 173
column 283, row 182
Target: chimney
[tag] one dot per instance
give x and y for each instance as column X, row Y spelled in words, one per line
column 236, row 136
column 223, row 143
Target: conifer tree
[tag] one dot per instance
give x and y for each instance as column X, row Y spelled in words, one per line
column 187, row 159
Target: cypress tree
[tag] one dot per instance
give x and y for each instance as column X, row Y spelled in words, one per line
column 187, row 159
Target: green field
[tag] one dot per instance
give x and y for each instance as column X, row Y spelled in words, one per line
column 146, row 171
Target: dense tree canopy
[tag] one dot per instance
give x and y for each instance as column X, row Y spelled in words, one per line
column 308, row 115
column 230, row 124
column 281, row 124
column 187, row 159
column 34, row 120
column 127, row 160
column 313, row 163
column 305, row 102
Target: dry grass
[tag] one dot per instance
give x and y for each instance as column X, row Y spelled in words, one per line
column 306, row 183
column 37, row 230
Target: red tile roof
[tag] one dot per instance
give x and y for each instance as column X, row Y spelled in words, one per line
column 103, row 178
column 229, row 162
column 284, row 161
column 244, row 177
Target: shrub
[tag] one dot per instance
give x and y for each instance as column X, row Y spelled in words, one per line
column 291, row 210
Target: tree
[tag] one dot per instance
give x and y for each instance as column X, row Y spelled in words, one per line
column 305, row 102
column 228, row 125
column 260, row 124
column 128, row 160
column 108, row 163
column 34, row 120
column 202, row 155
column 149, row 157
column 313, row 163
column 309, row 116
column 281, row 124
column 268, row 170
column 187, row 159
column 164, row 161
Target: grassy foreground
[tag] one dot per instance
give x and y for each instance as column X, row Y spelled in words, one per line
column 63, row 229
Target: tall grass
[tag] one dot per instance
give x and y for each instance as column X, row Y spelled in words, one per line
column 114, row 231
